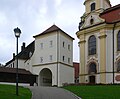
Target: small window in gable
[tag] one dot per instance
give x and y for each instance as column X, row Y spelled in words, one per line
column 91, row 21
column 93, row 6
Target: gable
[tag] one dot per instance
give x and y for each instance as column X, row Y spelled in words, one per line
column 92, row 19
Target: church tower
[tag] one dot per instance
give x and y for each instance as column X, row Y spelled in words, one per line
column 96, row 5
column 93, row 8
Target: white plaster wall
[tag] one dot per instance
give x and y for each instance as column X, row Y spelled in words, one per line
column 109, row 56
column 98, row 78
column 21, row 64
column 47, row 50
column 109, row 51
column 109, row 78
column 66, row 74
column 28, row 65
column 63, row 51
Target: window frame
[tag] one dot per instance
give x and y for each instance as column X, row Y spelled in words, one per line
column 51, row 57
column 63, row 44
column 69, row 47
column 69, row 60
column 63, row 58
column 93, row 6
column 92, row 70
column 92, row 43
column 41, row 45
column 51, row 43
column 41, row 59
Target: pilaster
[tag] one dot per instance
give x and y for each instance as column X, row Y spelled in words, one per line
column 82, row 58
column 102, row 38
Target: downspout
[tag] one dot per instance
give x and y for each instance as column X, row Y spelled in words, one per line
column 57, row 54
column 113, row 50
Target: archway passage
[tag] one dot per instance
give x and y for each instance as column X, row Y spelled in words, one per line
column 45, row 77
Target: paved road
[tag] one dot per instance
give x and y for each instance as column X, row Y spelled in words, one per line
column 51, row 93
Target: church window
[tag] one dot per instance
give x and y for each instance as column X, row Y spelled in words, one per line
column 92, row 45
column 92, row 68
column 118, row 66
column 118, row 41
column 92, row 6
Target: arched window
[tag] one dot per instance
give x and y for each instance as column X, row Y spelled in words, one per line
column 92, row 68
column 92, row 6
column 92, row 45
column 118, row 41
column 118, row 66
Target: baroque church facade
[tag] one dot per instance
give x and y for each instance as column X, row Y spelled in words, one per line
column 99, row 43
column 49, row 56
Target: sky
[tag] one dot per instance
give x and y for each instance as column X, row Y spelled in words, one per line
column 35, row 16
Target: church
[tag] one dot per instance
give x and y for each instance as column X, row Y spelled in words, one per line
column 99, row 43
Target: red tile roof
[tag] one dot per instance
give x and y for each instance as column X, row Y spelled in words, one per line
column 112, row 14
column 52, row 29
column 13, row 70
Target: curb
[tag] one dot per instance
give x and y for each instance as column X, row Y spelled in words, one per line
column 30, row 90
column 72, row 93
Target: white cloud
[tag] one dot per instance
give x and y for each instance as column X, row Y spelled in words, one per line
column 33, row 17
column 58, row 2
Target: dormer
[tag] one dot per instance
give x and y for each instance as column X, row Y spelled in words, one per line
column 96, row 5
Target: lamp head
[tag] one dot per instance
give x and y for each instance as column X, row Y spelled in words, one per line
column 17, row 32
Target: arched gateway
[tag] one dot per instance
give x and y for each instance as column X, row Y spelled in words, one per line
column 45, row 77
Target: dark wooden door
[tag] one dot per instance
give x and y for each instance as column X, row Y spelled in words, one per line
column 92, row 79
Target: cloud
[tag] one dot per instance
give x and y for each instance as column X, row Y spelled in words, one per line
column 33, row 17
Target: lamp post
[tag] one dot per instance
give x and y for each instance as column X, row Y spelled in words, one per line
column 17, row 32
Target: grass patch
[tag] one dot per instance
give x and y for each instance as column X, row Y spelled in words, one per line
column 9, row 92
column 96, row 92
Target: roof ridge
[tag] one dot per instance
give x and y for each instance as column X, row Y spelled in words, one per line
column 50, row 29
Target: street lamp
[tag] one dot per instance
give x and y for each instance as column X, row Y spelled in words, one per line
column 17, row 32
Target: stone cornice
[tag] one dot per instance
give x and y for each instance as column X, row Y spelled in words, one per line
column 52, row 64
